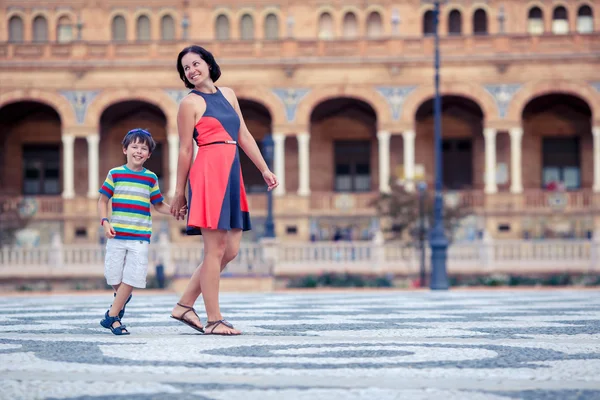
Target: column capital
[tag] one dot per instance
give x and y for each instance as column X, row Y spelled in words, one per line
column 596, row 131
column 383, row 135
column 490, row 133
column 278, row 137
column 408, row 135
column 516, row 132
column 303, row 136
column 67, row 138
column 93, row 138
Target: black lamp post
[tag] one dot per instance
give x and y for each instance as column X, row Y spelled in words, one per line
column 267, row 148
column 437, row 238
column 422, row 187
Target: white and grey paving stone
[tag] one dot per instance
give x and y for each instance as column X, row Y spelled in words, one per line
column 352, row 345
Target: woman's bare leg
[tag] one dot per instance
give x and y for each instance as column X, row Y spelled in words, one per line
column 194, row 287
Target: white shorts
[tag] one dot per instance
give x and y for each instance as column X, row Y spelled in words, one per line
column 126, row 261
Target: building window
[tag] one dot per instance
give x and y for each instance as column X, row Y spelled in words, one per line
column 535, row 21
column 428, row 22
column 480, row 22
column 41, row 170
column 560, row 21
column 350, row 25
column 454, row 23
column 119, row 28
column 325, row 26
column 15, row 29
column 222, row 27
column 374, row 25
column 352, row 166
column 247, row 27
column 143, row 28
column 167, row 28
column 64, row 30
column 585, row 20
column 40, row 29
column 271, row 27
column 561, row 164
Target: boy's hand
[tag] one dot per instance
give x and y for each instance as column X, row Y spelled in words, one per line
column 182, row 212
column 109, row 232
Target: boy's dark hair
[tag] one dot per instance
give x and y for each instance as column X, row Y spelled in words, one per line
column 213, row 67
column 141, row 136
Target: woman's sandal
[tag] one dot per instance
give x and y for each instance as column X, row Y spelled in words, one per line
column 214, row 325
column 108, row 322
column 185, row 321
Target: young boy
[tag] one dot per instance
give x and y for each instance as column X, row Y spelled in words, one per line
column 132, row 189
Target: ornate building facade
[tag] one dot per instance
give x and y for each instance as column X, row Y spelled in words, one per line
column 346, row 90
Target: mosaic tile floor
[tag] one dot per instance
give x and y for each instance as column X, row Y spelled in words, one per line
column 376, row 345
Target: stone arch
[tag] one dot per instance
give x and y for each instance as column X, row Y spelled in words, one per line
column 536, row 89
column 72, row 16
column 266, row 98
column 368, row 95
column 472, row 92
column 60, row 104
column 108, row 98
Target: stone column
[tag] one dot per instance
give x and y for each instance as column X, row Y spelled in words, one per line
column 490, row 160
column 516, row 174
column 173, row 141
column 279, row 162
column 304, row 163
column 409, row 160
column 68, row 166
column 383, row 138
column 596, row 149
column 93, row 165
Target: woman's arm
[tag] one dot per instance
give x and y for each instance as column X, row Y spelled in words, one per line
column 190, row 110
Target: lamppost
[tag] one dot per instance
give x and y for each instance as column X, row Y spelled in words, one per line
column 437, row 238
column 422, row 187
column 267, row 147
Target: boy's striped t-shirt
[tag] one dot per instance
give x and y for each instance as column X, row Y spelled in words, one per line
column 132, row 193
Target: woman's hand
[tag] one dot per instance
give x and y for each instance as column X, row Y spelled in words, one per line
column 270, row 179
column 178, row 204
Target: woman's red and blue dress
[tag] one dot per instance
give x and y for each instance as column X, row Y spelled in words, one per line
column 217, row 198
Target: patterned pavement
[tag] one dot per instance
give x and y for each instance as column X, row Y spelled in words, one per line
column 350, row 345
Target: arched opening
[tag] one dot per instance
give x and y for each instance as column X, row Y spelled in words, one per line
column 64, row 29
column 560, row 21
column 40, row 29
column 167, row 28
column 271, row 27
column 247, row 27
column 480, row 22
column 222, row 30
column 117, row 120
column 558, row 142
column 30, row 162
column 462, row 143
column 343, row 146
column 585, row 19
column 143, row 28
column 15, row 29
column 350, row 25
column 326, row 29
column 535, row 21
column 259, row 123
column 119, row 29
column 374, row 25
column 428, row 23
column 454, row 23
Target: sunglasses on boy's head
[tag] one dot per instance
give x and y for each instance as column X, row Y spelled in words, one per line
column 139, row 131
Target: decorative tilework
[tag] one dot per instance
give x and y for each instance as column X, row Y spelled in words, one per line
column 395, row 96
column 80, row 100
column 290, row 97
column 503, row 94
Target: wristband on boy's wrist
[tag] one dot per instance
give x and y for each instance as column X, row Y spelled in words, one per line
column 102, row 221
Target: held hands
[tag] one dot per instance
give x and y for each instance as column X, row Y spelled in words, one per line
column 109, row 231
column 179, row 206
column 270, row 179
